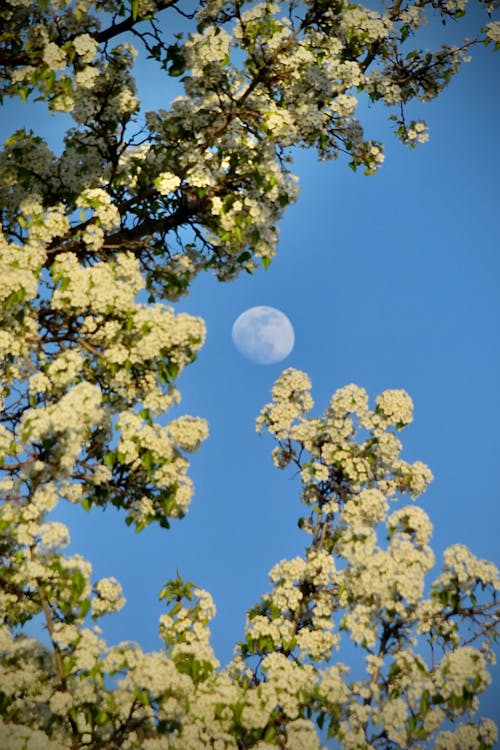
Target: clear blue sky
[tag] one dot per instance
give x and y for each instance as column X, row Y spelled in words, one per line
column 390, row 281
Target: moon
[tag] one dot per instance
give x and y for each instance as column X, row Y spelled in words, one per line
column 263, row 334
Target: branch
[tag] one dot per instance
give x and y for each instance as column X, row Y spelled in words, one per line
column 126, row 237
column 50, row 627
column 128, row 24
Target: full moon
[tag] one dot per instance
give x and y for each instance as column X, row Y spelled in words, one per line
column 263, row 334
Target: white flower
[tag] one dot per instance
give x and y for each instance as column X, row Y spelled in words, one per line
column 85, row 46
column 396, row 406
column 54, row 56
column 109, row 596
column 86, row 77
column 166, row 183
column 492, row 31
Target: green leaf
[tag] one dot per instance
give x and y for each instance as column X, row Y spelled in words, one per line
column 270, row 735
column 16, row 297
column 425, row 703
column 146, row 415
column 24, row 92
column 110, row 459
column 128, row 324
column 412, row 723
column 148, row 461
column 175, row 61
column 86, row 504
column 168, row 371
column 64, row 283
column 101, row 718
column 68, row 664
column 78, row 583
column 143, row 697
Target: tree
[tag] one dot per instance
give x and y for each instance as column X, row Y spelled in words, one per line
column 122, row 209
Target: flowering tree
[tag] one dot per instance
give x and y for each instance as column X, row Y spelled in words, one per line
column 124, row 209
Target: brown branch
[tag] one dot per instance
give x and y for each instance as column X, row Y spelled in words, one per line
column 17, row 59
column 128, row 24
column 126, row 237
column 50, row 628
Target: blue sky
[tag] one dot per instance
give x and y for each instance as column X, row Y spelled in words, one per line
column 390, row 281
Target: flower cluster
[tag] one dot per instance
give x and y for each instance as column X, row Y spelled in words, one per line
column 365, row 577
column 257, row 80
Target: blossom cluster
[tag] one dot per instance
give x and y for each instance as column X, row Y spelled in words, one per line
column 365, row 577
column 256, row 81
column 80, row 342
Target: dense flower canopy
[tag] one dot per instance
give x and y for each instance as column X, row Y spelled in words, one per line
column 96, row 239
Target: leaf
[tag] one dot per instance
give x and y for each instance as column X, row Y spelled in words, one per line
column 24, row 93
column 101, row 718
column 129, row 322
column 109, row 459
column 255, row 236
column 270, row 734
column 148, row 461
column 425, row 703
column 168, row 371
column 176, row 59
column 143, row 697
column 146, row 415
column 86, row 503
column 14, row 298
column 78, row 583
column 68, row 664
column 64, row 283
